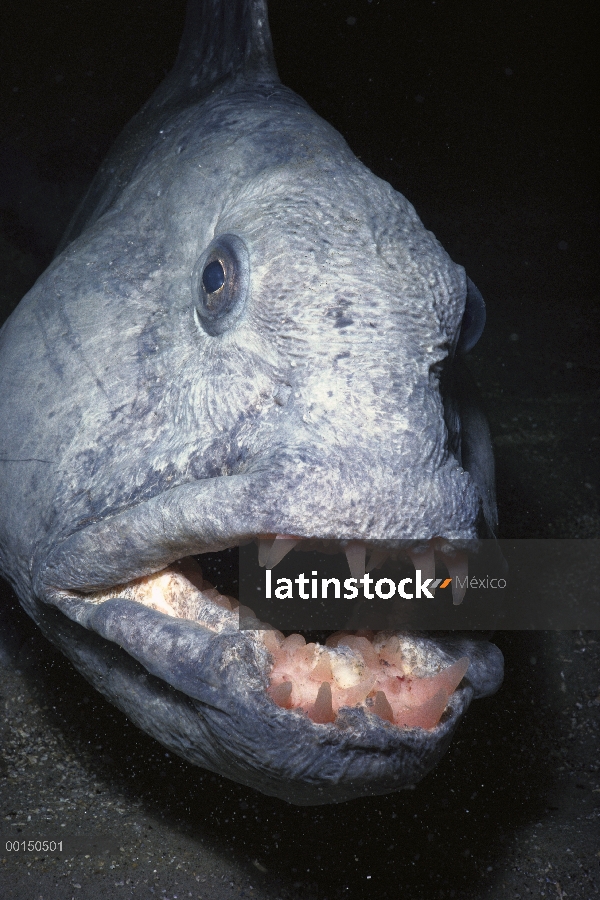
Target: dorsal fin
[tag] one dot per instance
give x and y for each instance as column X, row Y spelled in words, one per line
column 223, row 40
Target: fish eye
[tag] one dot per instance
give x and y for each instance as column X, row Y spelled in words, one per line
column 213, row 277
column 220, row 284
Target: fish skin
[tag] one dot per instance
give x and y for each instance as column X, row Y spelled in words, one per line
column 133, row 436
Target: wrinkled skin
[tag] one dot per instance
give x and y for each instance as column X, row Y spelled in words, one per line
column 138, row 430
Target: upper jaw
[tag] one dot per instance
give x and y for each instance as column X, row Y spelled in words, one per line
column 209, row 515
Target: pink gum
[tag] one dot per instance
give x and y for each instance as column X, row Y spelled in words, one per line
column 302, row 678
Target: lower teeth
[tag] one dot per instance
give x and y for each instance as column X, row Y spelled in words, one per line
column 367, row 670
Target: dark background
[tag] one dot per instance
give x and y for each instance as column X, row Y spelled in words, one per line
column 481, row 114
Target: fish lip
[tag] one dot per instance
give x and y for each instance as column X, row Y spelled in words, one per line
column 144, row 538
column 150, row 534
column 252, row 741
column 235, row 667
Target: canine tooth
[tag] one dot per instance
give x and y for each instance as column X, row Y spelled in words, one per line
column 377, row 559
column 454, row 674
column 356, row 555
column 281, row 694
column 425, row 561
column 280, row 547
column 381, row 707
column 322, row 670
column 426, row 715
column 321, row 711
column 458, row 567
column 420, row 691
column 264, row 546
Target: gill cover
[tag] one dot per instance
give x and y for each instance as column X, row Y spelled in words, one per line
column 473, row 321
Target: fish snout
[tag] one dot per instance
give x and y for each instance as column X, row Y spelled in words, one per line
column 350, row 494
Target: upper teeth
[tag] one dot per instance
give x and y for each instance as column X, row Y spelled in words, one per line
column 272, row 550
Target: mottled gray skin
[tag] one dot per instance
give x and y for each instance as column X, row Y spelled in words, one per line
column 133, row 437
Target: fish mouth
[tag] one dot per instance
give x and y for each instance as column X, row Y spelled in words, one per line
column 310, row 722
column 382, row 672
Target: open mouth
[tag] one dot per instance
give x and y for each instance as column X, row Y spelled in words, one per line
column 307, row 717
column 387, row 675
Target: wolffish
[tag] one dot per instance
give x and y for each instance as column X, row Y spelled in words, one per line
column 246, row 336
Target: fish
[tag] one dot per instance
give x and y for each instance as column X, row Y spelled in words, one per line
column 246, row 336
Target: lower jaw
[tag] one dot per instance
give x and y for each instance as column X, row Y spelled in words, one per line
column 382, row 673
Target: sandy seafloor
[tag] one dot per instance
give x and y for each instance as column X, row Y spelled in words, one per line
column 479, row 114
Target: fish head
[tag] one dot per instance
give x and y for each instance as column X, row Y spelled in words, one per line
column 253, row 340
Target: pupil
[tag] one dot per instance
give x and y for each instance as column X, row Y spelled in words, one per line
column 213, row 277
